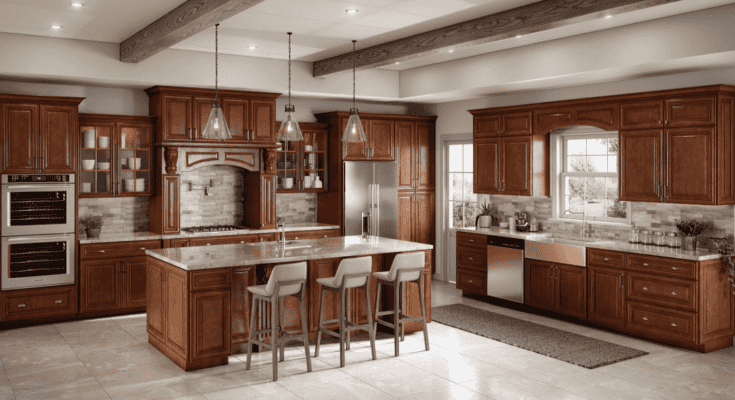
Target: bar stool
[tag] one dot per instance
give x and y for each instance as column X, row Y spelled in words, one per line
column 351, row 273
column 285, row 280
column 406, row 267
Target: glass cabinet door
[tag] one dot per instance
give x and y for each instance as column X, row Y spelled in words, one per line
column 95, row 160
column 134, row 159
column 287, row 168
column 314, row 161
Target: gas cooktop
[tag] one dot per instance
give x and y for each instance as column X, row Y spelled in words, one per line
column 212, row 228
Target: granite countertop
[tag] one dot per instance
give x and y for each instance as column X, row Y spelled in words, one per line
column 235, row 255
column 135, row 236
column 615, row 245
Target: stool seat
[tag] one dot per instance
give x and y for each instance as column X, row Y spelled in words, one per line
column 383, row 275
column 328, row 282
column 259, row 290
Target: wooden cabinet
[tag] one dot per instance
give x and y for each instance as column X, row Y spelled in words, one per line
column 415, row 150
column 556, row 287
column 380, row 138
column 240, row 303
column 606, row 296
column 313, row 234
column 39, row 134
column 305, row 162
column 115, row 155
column 508, row 124
column 183, row 112
column 503, row 165
column 602, row 115
column 471, row 263
column 684, row 111
column 726, row 149
column 261, row 200
column 39, row 303
column 113, row 276
column 323, row 268
column 640, row 165
column 416, row 216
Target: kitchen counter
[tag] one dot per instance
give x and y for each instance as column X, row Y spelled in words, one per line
column 134, row 236
column 615, row 245
column 233, row 255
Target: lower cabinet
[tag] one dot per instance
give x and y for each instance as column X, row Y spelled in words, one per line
column 556, row 287
column 606, row 296
column 39, row 303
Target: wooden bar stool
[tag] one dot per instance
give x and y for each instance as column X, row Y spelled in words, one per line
column 351, row 273
column 285, row 280
column 406, row 267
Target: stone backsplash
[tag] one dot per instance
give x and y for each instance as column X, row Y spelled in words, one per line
column 122, row 214
column 296, row 207
column 650, row 216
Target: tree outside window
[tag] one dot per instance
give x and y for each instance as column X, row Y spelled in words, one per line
column 462, row 200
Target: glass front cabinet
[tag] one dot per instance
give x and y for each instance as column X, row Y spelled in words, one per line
column 301, row 166
column 114, row 155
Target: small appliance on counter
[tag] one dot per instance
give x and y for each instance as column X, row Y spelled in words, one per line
column 521, row 222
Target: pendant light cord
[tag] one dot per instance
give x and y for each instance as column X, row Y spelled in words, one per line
column 216, row 61
column 289, row 68
column 353, row 73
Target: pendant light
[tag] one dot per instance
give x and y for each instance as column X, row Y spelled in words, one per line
column 353, row 131
column 216, row 127
column 290, row 130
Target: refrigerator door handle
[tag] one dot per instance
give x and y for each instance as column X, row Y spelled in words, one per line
column 377, row 210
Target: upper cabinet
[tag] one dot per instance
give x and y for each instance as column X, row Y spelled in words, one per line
column 503, row 165
column 604, row 115
column 183, row 112
column 380, row 134
column 512, row 123
column 39, row 134
column 115, row 155
column 669, row 113
column 415, row 154
column 302, row 166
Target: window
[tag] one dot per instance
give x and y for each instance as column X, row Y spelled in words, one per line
column 462, row 201
column 588, row 178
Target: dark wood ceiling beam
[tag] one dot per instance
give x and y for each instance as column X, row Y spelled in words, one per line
column 531, row 18
column 182, row 22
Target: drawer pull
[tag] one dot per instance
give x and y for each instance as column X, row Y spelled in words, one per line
column 673, row 324
column 469, row 280
column 470, row 258
column 645, row 264
column 645, row 288
column 21, row 305
column 142, row 248
column 472, row 240
column 673, row 293
column 58, row 302
column 100, row 251
column 674, row 268
column 645, row 318
column 607, row 259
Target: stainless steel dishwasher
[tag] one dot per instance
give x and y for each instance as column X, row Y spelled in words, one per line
column 505, row 268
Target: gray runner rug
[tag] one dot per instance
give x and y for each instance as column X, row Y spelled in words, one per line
column 565, row 346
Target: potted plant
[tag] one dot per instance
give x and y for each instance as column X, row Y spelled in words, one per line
column 689, row 229
column 485, row 217
column 93, row 224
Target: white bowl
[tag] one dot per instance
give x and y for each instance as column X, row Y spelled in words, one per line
column 504, row 225
column 103, row 142
column 88, row 164
column 103, row 165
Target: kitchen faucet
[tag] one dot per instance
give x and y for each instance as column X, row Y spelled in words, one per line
column 281, row 225
column 585, row 230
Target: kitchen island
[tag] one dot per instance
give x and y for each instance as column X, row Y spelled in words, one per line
column 199, row 308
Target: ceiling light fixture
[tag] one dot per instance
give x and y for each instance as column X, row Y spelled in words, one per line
column 252, row 47
column 77, row 5
column 353, row 131
column 216, row 127
column 608, row 16
column 352, row 11
column 290, row 130
column 57, row 27
column 451, row 51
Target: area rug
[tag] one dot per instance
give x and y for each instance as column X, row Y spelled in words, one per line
column 565, row 346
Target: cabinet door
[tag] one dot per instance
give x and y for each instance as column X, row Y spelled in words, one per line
column 517, row 124
column 237, row 113
column 640, row 165
column 570, row 291
column 210, row 324
column 424, row 156
column 268, row 201
column 406, row 211
column 177, row 123
column 155, row 300
column 404, row 151
column 240, row 304
column 102, row 181
column 486, row 166
column 689, row 170
column 606, row 296
column 138, row 144
column 642, row 115
column 20, row 138
column 353, row 151
column 538, row 287
column 202, row 109
column 263, row 115
column 486, row 126
column 690, row 111
column 100, row 285
column 58, row 138
column 424, row 218
column 516, row 166
column 322, row 269
column 176, row 300
column 381, row 137
column 726, row 150
column 134, row 284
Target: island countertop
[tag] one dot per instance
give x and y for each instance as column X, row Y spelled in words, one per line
column 234, row 255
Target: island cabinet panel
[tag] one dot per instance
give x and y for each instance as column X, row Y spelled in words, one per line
column 412, row 299
column 175, row 304
column 359, row 308
column 240, row 303
column 154, row 300
column 210, row 324
column 606, row 296
column 322, row 269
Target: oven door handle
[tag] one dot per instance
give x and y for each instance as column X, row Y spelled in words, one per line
column 46, row 187
column 34, row 238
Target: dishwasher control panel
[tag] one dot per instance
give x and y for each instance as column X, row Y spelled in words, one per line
column 511, row 243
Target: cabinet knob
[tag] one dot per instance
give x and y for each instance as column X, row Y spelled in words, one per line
column 645, row 288
column 607, row 259
column 142, row 248
column 472, row 240
column 675, row 268
column 58, row 302
column 673, row 324
column 21, row 305
column 645, row 318
column 645, row 264
column 469, row 280
column 470, row 258
column 673, row 293
column 100, row 251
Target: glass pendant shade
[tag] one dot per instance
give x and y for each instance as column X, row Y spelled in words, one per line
column 353, row 131
column 290, row 129
column 216, row 127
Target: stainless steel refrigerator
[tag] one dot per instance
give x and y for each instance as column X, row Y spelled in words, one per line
column 371, row 186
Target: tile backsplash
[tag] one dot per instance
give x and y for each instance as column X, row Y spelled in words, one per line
column 653, row 216
column 296, row 207
column 122, row 214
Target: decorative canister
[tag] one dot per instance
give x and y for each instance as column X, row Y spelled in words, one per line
column 89, row 138
column 484, row 221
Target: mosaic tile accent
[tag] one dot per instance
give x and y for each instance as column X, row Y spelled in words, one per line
column 296, row 207
column 122, row 214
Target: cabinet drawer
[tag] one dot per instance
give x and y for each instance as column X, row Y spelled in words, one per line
column 471, row 281
column 605, row 257
column 317, row 234
column 663, row 291
column 56, row 301
column 117, row 249
column 659, row 323
column 471, row 240
column 212, row 279
column 661, row 265
column 215, row 240
column 471, row 257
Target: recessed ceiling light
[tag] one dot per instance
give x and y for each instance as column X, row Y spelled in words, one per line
column 352, row 11
column 55, row 26
column 398, row 62
column 251, row 47
column 77, row 5
column 608, row 16
column 451, row 50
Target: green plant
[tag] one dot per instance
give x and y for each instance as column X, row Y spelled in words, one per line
column 485, row 209
column 692, row 227
column 92, row 221
column 727, row 249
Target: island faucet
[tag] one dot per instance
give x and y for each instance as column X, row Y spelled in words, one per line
column 282, row 226
column 585, row 230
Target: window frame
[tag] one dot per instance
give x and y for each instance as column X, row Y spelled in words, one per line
column 449, row 172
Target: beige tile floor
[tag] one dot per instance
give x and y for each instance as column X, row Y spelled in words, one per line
column 110, row 358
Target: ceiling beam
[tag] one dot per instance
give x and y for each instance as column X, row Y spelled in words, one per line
column 536, row 17
column 182, row 22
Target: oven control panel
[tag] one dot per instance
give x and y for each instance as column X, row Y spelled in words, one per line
column 38, row 178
